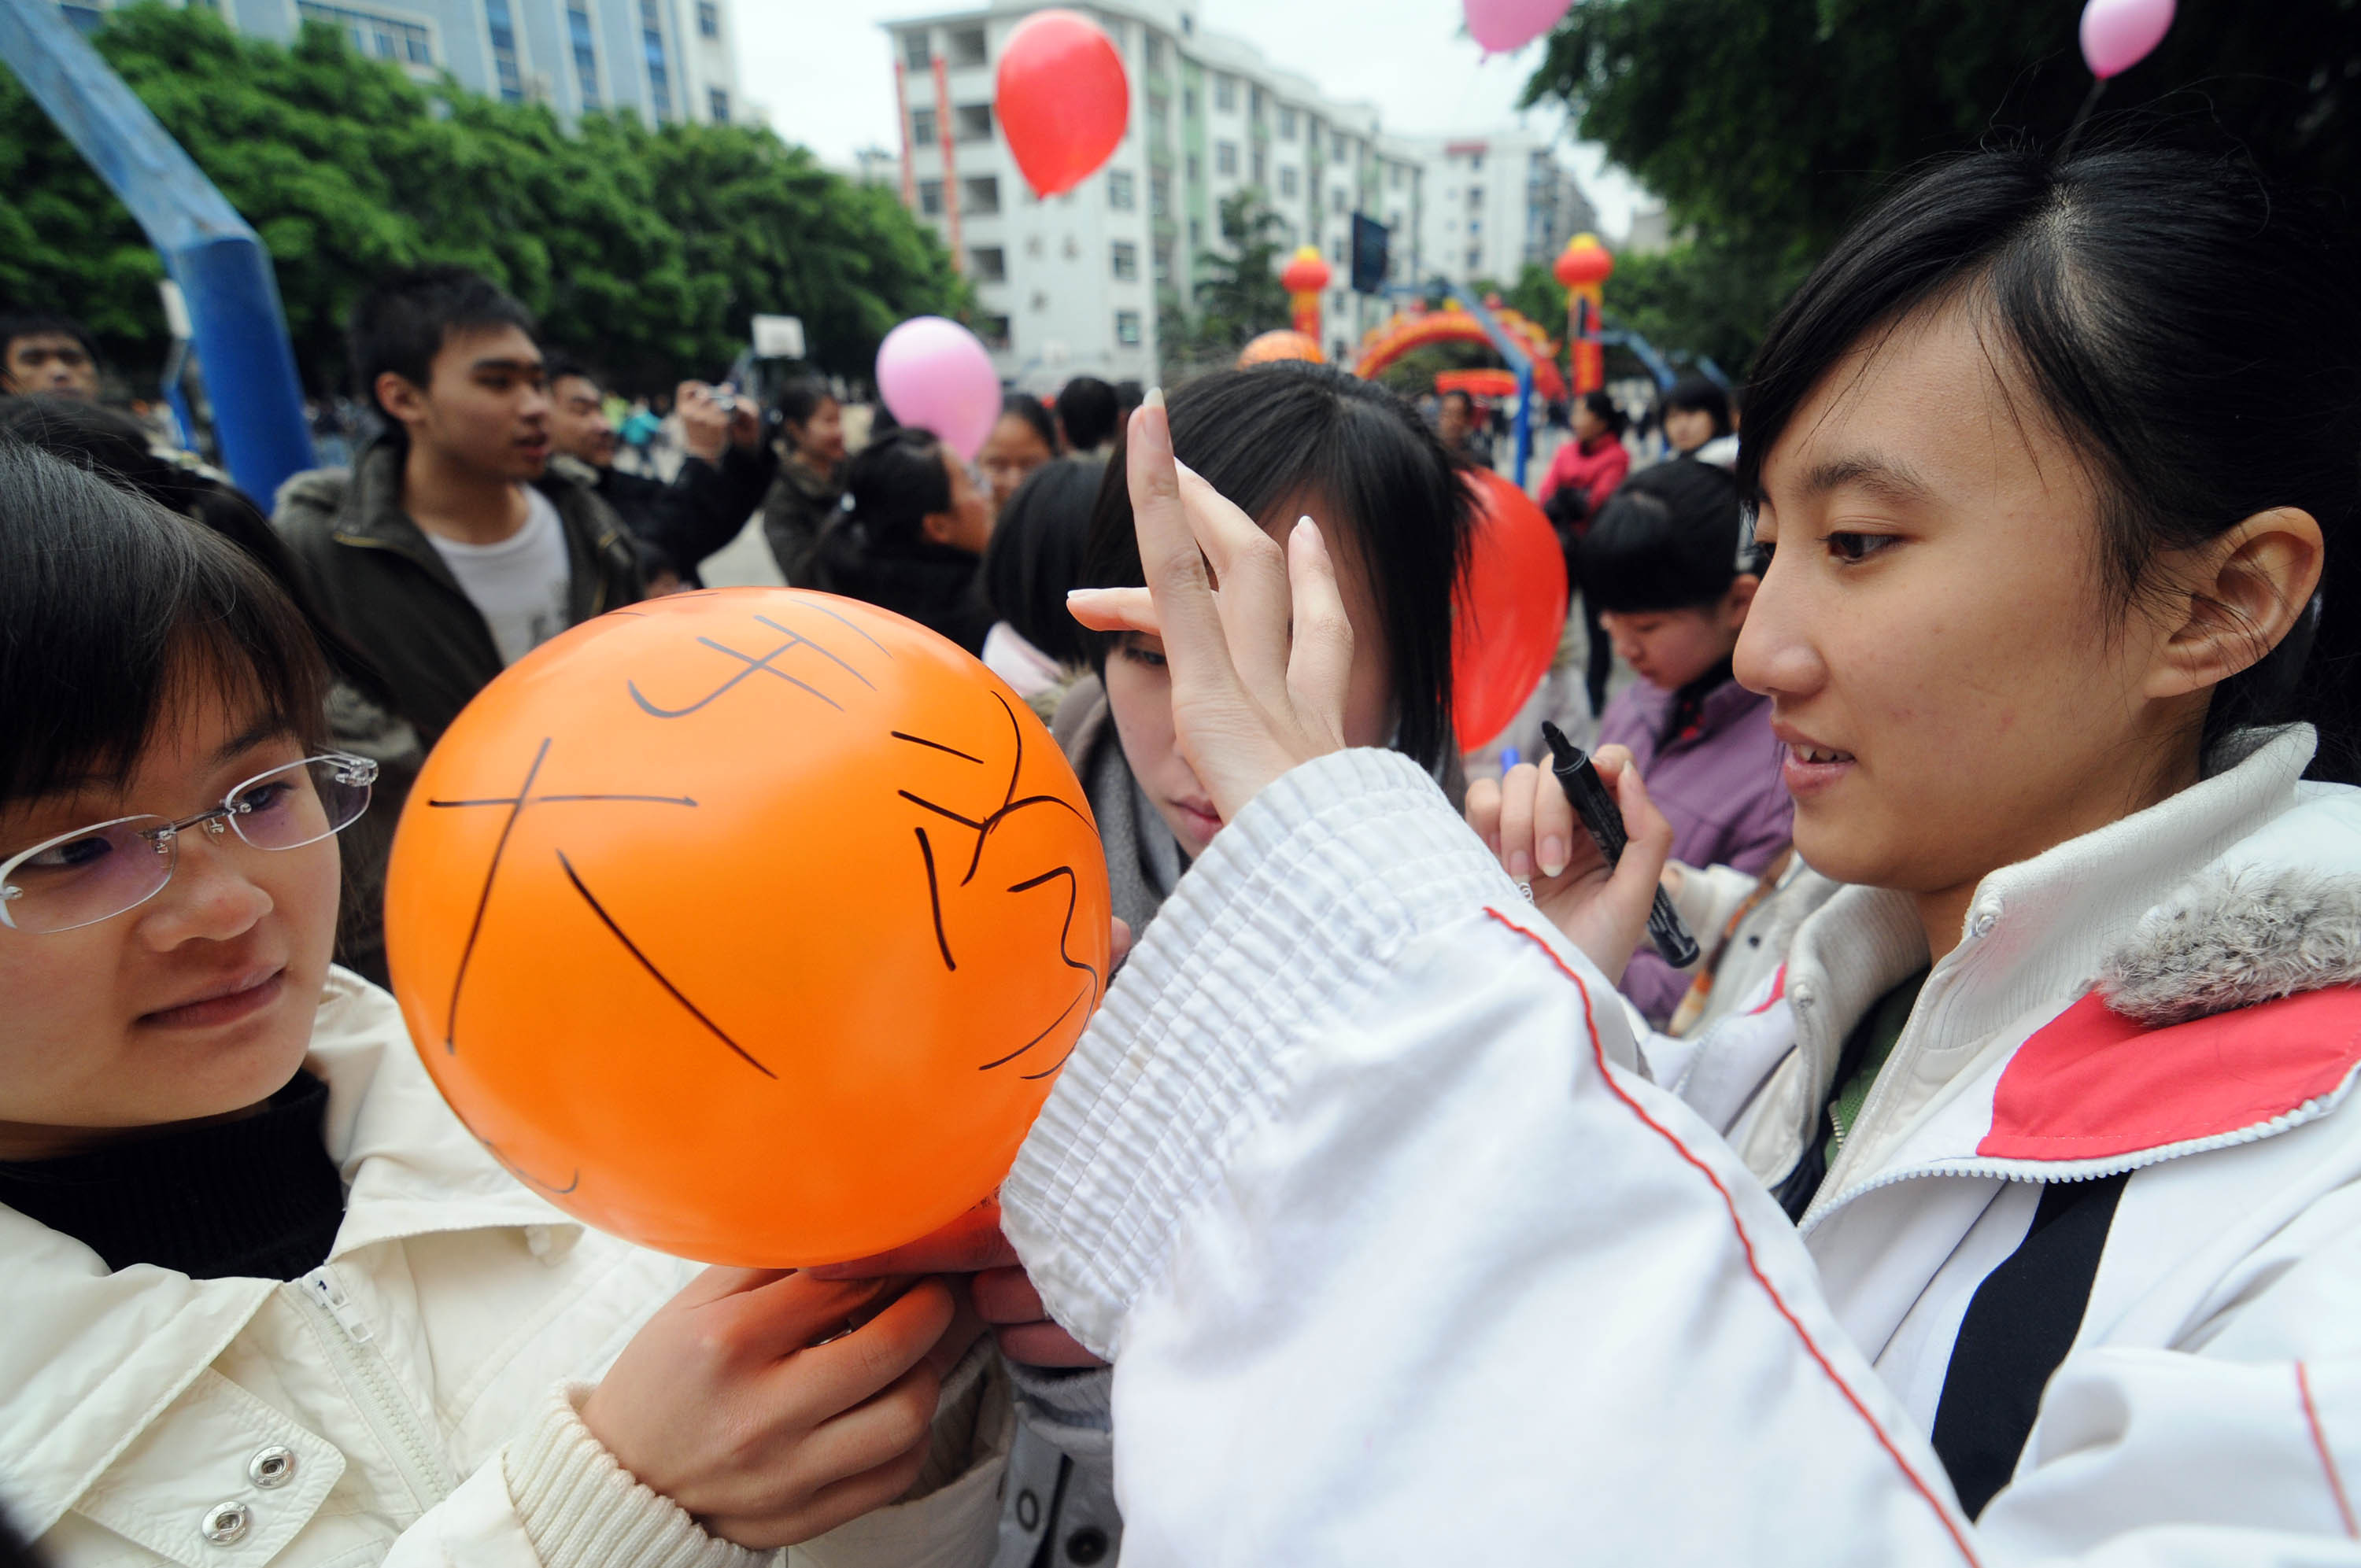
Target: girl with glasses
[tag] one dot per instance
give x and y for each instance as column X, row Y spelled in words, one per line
column 264, row 1294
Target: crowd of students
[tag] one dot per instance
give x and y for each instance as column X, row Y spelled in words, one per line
column 1989, row 1192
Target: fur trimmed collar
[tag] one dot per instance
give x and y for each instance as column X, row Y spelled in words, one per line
column 2230, row 938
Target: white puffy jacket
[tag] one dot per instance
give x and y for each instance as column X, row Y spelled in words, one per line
column 401, row 1403
column 1401, row 1254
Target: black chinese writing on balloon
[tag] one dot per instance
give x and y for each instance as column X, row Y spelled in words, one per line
column 516, row 805
column 982, row 827
column 745, row 666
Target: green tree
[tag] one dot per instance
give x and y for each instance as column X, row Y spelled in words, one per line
column 1237, row 289
column 1766, row 124
column 643, row 251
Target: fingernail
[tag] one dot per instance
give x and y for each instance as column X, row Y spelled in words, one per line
column 1155, row 399
column 1553, row 856
column 1521, row 865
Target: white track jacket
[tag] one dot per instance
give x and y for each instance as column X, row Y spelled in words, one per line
column 1406, row 1247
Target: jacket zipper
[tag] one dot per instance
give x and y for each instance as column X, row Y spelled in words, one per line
column 360, row 1365
column 2088, row 1170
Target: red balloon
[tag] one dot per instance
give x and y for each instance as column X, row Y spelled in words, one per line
column 1063, row 99
column 1511, row 610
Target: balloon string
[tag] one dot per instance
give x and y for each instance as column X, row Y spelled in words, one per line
column 2074, row 131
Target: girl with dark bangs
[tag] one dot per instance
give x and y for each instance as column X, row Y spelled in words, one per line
column 263, row 1292
column 1281, row 441
column 2016, row 1217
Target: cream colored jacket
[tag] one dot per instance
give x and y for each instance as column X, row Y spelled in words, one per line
column 411, row 1401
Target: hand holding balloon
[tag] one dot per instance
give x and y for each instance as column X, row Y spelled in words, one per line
column 1003, row 1293
column 743, row 1401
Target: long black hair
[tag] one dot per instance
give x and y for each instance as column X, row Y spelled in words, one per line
column 892, row 484
column 1270, row 436
column 2193, row 333
column 1037, row 552
column 115, row 448
column 110, row 606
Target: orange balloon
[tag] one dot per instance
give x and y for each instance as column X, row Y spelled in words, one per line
column 1283, row 343
column 750, row 924
column 1510, row 610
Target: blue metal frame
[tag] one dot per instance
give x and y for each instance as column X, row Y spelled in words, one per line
column 213, row 255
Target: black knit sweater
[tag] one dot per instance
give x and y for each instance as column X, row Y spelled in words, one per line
column 257, row 1196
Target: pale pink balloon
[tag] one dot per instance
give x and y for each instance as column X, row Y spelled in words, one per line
column 2119, row 34
column 935, row 375
column 1504, row 27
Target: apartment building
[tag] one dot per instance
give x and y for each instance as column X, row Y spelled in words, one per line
column 1071, row 285
column 1496, row 203
column 666, row 59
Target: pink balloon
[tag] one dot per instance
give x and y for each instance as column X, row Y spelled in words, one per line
column 935, row 375
column 1504, row 27
column 2119, row 34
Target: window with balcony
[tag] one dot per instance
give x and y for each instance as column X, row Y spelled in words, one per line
column 1255, row 102
column 1226, row 95
column 1288, row 183
column 501, row 24
column 993, row 330
column 1189, row 102
column 1226, row 158
column 651, row 46
column 965, row 46
column 972, row 122
column 1286, row 123
column 717, row 105
column 1336, row 149
column 922, row 126
column 708, row 19
column 380, row 37
column 1394, row 177
column 1196, row 233
column 582, row 41
column 1196, row 171
column 1475, row 198
column 988, row 264
column 1155, row 52
column 1344, row 203
column 1164, row 261
column 1159, row 195
column 1123, row 192
column 917, row 53
column 1126, row 258
column 1126, row 328
column 979, row 195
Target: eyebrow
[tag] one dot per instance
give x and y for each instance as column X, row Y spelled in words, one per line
column 1881, row 477
column 527, row 366
column 246, row 739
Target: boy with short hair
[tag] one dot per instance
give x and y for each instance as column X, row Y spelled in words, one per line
column 448, row 550
column 1661, row 562
column 43, row 352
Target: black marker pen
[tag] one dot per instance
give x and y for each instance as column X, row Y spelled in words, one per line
column 1600, row 813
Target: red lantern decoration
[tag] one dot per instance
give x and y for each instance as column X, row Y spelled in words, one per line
column 1584, row 267
column 1509, row 613
column 1063, row 99
column 1304, row 278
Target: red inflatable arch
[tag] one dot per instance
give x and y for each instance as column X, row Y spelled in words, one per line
column 1417, row 328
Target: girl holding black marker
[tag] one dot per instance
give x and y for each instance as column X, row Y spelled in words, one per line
column 1391, row 1220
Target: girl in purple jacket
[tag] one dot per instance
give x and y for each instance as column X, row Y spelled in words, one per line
column 1663, row 562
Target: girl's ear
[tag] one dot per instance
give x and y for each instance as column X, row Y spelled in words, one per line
column 939, row 527
column 2241, row 594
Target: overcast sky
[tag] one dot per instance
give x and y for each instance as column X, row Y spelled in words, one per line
column 822, row 73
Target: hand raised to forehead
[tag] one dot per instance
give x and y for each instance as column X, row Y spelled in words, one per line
column 1259, row 667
